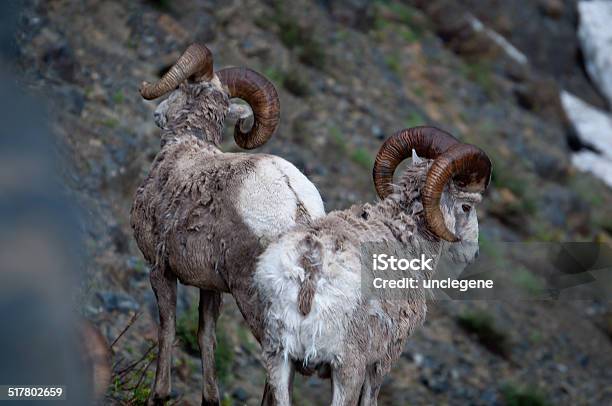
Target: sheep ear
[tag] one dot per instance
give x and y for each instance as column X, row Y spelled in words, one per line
column 415, row 158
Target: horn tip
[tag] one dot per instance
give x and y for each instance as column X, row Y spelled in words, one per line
column 146, row 92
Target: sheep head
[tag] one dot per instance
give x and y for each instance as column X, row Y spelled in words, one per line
column 198, row 93
column 453, row 176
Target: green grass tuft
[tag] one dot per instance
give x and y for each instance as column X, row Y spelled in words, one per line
column 528, row 282
column 480, row 73
column 414, row 119
column 362, row 157
column 118, row 97
column 523, row 396
column 393, row 62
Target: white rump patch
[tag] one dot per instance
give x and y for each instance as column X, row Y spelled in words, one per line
column 268, row 198
column 319, row 336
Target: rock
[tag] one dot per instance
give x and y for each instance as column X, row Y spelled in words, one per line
column 498, row 39
column 240, row 394
column 595, row 34
column 540, row 95
column 558, row 204
column 120, row 239
column 377, row 132
column 552, row 8
column 255, row 46
column 173, row 28
column 550, row 163
column 353, row 13
column 115, row 301
column 489, row 397
column 56, row 55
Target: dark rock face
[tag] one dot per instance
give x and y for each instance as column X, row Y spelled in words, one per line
column 547, row 35
column 369, row 69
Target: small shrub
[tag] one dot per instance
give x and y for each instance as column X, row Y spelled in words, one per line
column 401, row 12
column 481, row 324
column 523, row 396
column 295, row 37
column 295, row 83
column 399, row 16
column 313, row 54
column 290, row 33
column 132, row 385
column 110, row 122
column 162, row 5
column 393, row 63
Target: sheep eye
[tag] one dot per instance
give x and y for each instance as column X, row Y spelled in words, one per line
column 466, row 208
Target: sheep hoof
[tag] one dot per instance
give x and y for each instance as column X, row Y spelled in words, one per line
column 210, row 402
column 156, row 400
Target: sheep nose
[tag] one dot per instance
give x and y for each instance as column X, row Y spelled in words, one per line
column 477, row 253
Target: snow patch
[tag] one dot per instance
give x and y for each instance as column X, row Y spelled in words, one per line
column 595, row 34
column 594, row 127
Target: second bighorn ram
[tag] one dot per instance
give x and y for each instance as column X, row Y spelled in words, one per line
column 203, row 216
column 309, row 280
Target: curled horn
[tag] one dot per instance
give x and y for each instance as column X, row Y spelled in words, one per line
column 469, row 167
column 428, row 142
column 196, row 61
column 261, row 95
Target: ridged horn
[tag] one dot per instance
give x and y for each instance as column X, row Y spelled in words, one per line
column 468, row 166
column 196, row 61
column 261, row 95
column 428, row 142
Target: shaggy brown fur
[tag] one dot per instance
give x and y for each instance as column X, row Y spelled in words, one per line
column 187, row 228
column 311, row 262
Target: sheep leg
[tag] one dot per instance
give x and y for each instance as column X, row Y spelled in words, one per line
column 164, row 286
column 280, row 377
column 210, row 306
column 346, row 385
column 268, row 395
column 371, row 387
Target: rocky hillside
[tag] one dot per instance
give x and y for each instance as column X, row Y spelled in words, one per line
column 349, row 73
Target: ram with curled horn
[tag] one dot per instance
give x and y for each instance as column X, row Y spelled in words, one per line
column 202, row 216
column 316, row 314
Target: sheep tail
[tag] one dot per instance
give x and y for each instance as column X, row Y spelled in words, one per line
column 311, row 262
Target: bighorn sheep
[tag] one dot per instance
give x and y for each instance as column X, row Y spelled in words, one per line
column 309, row 279
column 203, row 216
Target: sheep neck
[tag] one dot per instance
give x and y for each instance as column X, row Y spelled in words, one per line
column 202, row 119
